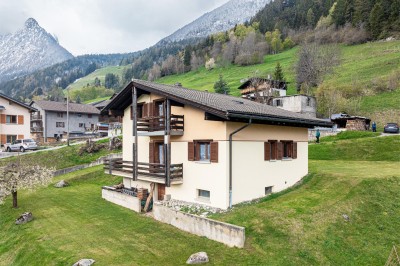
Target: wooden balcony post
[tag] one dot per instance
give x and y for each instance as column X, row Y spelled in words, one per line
column 167, row 143
column 135, row 135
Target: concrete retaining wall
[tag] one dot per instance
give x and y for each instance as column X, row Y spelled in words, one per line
column 229, row 234
column 83, row 166
column 121, row 199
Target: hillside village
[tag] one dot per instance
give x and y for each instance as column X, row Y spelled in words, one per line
column 261, row 142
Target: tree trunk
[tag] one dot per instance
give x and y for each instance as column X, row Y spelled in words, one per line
column 15, row 201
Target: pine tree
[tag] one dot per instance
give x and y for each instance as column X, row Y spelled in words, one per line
column 376, row 20
column 310, row 17
column 278, row 74
column 221, row 86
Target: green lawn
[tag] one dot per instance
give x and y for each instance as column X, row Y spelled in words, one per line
column 300, row 226
column 99, row 73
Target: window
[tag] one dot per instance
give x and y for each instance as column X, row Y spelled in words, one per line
column 203, row 193
column 278, row 103
column 289, row 149
column 11, row 138
column 60, row 124
column 89, row 116
column 81, row 124
column 203, row 151
column 60, row 115
column 79, row 115
column 285, row 149
column 271, row 150
column 11, row 119
column 268, row 190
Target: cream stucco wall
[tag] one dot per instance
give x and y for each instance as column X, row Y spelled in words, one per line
column 251, row 174
column 15, row 129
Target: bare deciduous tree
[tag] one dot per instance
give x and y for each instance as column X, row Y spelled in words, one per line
column 18, row 176
column 315, row 61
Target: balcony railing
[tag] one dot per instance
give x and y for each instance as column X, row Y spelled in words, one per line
column 36, row 117
column 146, row 171
column 157, row 123
column 36, row 129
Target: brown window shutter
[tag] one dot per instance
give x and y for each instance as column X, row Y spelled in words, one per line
column 2, row 119
column 20, row 136
column 20, row 120
column 144, row 111
column 294, row 156
column 280, row 151
column 151, row 152
column 214, row 152
column 190, row 151
column 267, row 151
column 151, row 109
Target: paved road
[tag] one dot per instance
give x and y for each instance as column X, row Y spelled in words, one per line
column 10, row 154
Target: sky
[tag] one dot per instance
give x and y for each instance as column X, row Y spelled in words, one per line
column 104, row 26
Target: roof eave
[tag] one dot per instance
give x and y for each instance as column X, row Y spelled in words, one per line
column 277, row 119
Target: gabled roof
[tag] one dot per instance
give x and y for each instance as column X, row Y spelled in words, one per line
column 62, row 107
column 224, row 107
column 17, row 102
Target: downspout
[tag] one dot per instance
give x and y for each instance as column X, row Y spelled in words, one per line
column 230, row 159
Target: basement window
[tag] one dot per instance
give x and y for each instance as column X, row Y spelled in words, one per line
column 203, row 194
column 268, row 190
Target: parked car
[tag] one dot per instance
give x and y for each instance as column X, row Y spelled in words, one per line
column 391, row 128
column 21, row 145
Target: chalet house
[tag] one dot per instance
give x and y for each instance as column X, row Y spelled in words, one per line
column 49, row 122
column 14, row 119
column 273, row 93
column 207, row 148
column 262, row 89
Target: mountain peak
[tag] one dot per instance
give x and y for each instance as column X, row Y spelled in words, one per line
column 28, row 50
column 220, row 19
column 31, row 23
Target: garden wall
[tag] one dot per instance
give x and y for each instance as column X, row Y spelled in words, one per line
column 229, row 234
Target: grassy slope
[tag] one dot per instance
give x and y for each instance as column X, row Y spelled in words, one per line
column 302, row 226
column 99, row 73
column 360, row 64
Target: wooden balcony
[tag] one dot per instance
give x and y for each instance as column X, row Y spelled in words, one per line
column 155, row 126
column 36, row 117
column 152, row 172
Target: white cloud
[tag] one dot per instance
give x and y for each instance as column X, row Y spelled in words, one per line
column 104, row 26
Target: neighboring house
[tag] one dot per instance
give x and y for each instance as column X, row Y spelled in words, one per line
column 262, row 89
column 109, row 125
column 50, row 121
column 14, row 119
column 273, row 93
column 351, row 122
column 302, row 104
column 207, row 148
